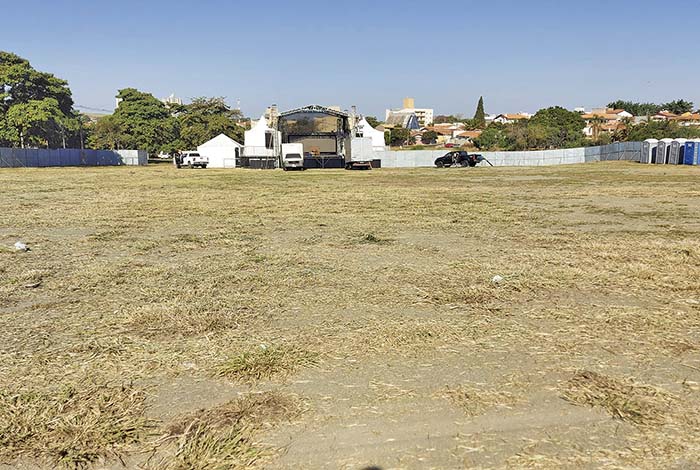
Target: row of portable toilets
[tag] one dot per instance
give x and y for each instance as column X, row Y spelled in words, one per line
column 671, row 152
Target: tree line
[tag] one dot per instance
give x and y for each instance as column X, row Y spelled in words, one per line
column 37, row 110
column 649, row 109
column 144, row 122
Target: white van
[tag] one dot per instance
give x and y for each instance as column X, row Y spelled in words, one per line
column 292, row 157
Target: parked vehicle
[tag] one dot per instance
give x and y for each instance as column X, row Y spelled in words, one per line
column 458, row 158
column 292, row 157
column 190, row 160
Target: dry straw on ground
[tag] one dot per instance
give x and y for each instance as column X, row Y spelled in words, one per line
column 370, row 292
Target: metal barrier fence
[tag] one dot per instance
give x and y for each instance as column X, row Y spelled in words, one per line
column 618, row 151
column 38, row 158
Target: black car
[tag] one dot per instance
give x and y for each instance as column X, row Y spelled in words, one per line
column 458, row 158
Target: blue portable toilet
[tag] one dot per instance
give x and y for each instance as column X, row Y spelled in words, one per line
column 690, row 155
column 677, row 152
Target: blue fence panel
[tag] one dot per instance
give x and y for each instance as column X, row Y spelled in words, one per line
column 90, row 158
column 73, row 157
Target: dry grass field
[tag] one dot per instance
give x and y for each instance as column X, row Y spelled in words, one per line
column 330, row 319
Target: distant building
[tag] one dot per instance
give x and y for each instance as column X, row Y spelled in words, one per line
column 172, row 99
column 664, row 116
column 424, row 115
column 689, row 119
column 617, row 114
column 405, row 119
column 605, row 120
column 511, row 118
column 447, row 132
column 467, row 137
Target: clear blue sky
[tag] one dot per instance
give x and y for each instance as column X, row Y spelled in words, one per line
column 521, row 55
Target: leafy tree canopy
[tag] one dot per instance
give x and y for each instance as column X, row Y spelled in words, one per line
column 443, row 119
column 679, row 106
column 36, row 108
column 144, row 121
column 399, row 136
column 557, row 128
column 661, row 130
column 204, row 119
column 373, row 121
column 429, row 137
column 495, row 137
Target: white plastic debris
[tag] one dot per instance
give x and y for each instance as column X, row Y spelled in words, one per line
column 19, row 246
column 497, row 279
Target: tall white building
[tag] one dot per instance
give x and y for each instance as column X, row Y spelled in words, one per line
column 424, row 115
column 172, row 99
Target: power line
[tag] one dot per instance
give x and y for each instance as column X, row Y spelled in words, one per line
column 88, row 108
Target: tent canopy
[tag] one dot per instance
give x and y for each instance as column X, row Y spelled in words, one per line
column 369, row 131
column 222, row 151
column 221, row 140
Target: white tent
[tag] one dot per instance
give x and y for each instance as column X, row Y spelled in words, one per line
column 377, row 137
column 261, row 140
column 221, row 151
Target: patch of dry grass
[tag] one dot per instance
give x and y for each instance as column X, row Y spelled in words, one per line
column 626, row 400
column 223, row 437
column 72, row 426
column 265, row 362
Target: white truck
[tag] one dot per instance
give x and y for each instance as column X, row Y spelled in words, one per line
column 292, row 157
column 191, row 160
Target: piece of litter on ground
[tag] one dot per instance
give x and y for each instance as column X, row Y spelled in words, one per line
column 19, row 246
column 497, row 279
column 33, row 285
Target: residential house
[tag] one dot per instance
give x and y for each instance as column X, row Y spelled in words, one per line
column 446, row 131
column 467, row 137
column 689, row 119
column 511, row 118
column 664, row 116
column 605, row 120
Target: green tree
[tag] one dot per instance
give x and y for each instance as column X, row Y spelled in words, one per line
column 399, row 136
column 373, row 121
column 34, row 123
column 678, row 106
column 480, row 115
column 495, row 137
column 36, row 108
column 636, row 109
column 429, row 137
column 145, row 122
column 562, row 128
column 443, row 119
column 597, row 122
column 204, row 119
column 660, row 130
column 471, row 124
column 106, row 133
